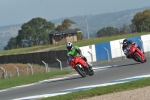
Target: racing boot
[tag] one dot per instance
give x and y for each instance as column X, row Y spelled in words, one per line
column 89, row 65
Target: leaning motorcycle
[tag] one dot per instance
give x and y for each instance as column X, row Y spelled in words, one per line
column 135, row 53
column 81, row 66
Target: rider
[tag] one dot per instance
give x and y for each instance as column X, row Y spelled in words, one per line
column 126, row 43
column 74, row 51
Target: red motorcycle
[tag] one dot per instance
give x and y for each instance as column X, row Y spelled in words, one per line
column 81, row 66
column 135, row 53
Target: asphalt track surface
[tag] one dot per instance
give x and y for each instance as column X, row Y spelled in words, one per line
column 103, row 73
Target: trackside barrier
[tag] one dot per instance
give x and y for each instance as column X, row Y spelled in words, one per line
column 142, row 44
column 108, row 51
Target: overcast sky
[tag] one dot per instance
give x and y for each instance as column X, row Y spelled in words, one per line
column 22, row 11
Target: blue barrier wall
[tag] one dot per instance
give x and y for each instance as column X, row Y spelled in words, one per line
column 136, row 39
column 101, row 53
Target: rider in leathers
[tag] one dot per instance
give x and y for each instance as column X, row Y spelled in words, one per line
column 74, row 51
column 126, row 43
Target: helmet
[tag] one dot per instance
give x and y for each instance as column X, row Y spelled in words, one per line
column 125, row 42
column 69, row 46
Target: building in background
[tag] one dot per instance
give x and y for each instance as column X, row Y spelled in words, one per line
column 62, row 37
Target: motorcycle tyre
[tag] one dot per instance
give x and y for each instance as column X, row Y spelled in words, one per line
column 91, row 72
column 139, row 58
column 82, row 73
column 145, row 60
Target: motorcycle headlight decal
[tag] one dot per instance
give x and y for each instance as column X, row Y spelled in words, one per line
column 76, row 59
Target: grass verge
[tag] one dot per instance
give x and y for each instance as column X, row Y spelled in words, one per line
column 102, row 90
column 22, row 80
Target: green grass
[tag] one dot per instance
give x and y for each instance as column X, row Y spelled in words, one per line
column 22, row 80
column 102, row 90
column 79, row 43
column 25, row 50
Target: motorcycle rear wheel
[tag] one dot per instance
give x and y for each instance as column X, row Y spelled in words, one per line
column 145, row 60
column 91, row 72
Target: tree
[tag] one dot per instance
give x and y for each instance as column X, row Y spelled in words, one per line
column 65, row 25
column 35, row 32
column 108, row 31
column 11, row 44
column 125, row 29
column 141, row 21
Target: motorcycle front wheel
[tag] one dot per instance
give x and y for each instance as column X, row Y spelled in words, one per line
column 139, row 58
column 80, row 70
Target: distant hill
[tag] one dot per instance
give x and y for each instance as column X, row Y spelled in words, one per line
column 7, row 32
column 94, row 23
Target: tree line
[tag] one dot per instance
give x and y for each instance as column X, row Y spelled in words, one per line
column 139, row 23
column 37, row 30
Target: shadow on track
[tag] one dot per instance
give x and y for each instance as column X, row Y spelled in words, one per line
column 127, row 64
column 69, row 78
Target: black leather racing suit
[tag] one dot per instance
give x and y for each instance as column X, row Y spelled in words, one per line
column 129, row 42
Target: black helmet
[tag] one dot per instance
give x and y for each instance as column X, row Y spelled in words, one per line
column 125, row 42
column 69, row 45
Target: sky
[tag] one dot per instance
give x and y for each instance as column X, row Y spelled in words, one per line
column 21, row 11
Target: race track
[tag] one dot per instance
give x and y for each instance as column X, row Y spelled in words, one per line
column 104, row 73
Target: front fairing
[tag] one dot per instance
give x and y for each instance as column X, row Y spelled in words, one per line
column 79, row 60
column 130, row 49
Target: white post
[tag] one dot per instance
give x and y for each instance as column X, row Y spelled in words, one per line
column 31, row 68
column 91, row 56
column 48, row 69
column 17, row 70
column 107, row 54
column 3, row 72
column 45, row 65
column 59, row 63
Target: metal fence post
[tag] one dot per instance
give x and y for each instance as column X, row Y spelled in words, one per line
column 45, row 65
column 59, row 63
column 17, row 70
column 107, row 54
column 48, row 69
column 4, row 72
column 31, row 68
